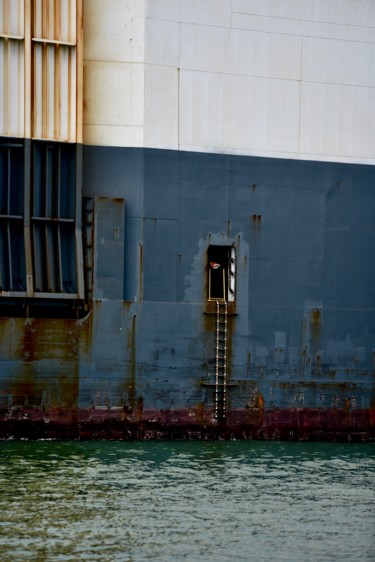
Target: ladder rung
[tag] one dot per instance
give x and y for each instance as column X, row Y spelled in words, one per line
column 221, row 359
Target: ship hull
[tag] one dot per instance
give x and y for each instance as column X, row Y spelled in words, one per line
column 139, row 361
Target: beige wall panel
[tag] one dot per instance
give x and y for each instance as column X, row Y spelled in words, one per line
column 163, row 39
column 251, row 53
column 346, row 12
column 302, row 27
column 109, row 97
column 137, row 95
column 338, row 62
column 238, row 113
column 163, row 9
column 138, row 40
column 338, row 121
column 107, row 135
column 161, row 107
column 110, row 29
column 210, row 12
column 12, row 17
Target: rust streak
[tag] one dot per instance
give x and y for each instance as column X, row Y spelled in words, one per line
column 140, row 271
column 130, row 385
column 256, row 220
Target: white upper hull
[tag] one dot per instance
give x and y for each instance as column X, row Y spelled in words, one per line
column 278, row 79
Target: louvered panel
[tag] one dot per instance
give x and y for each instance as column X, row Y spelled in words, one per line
column 43, row 19
column 65, row 76
column 37, row 91
column 37, row 19
column 48, row 21
column 12, row 68
column 12, row 17
column 55, row 71
column 55, row 20
column 54, row 92
column 71, row 94
column 11, row 87
column 67, row 93
column 49, row 108
column 68, row 21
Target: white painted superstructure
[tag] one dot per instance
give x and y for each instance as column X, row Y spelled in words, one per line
column 280, row 78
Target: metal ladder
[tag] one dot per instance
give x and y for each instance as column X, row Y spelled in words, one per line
column 221, row 360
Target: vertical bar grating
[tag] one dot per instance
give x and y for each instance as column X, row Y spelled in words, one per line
column 9, row 250
column 57, row 194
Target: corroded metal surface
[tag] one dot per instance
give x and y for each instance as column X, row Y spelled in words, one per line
column 295, row 424
column 141, row 363
column 107, row 322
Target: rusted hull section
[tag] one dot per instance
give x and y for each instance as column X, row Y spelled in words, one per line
column 154, row 292
column 287, row 245
column 295, row 424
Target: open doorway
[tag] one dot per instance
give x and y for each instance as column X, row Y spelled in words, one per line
column 221, row 267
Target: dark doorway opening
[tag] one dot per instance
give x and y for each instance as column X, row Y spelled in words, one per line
column 218, row 262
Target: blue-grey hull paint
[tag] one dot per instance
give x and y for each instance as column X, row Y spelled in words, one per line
column 302, row 328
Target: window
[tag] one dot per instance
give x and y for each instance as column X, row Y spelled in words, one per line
column 221, row 267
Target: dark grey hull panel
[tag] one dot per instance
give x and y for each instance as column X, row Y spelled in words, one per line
column 301, row 327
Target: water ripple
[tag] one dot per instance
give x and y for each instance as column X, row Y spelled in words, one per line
column 191, row 501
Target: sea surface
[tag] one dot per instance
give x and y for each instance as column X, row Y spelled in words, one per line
column 194, row 501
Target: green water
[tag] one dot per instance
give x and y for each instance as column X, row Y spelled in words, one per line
column 163, row 501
